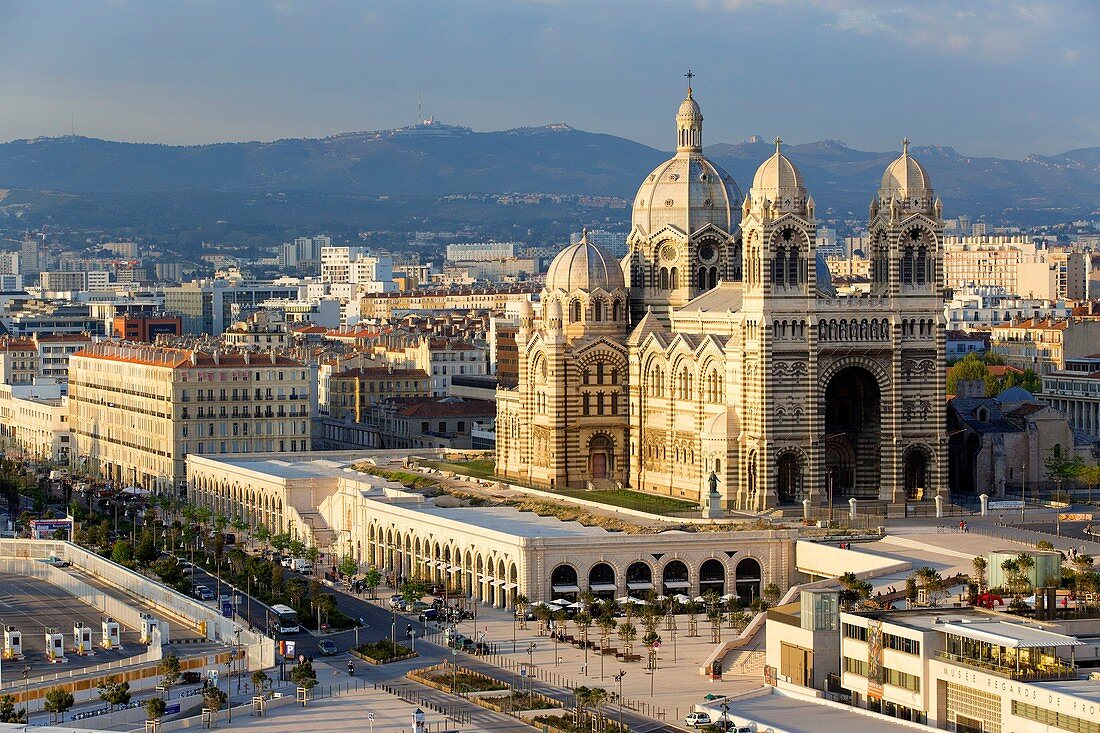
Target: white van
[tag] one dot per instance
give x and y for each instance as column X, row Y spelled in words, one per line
column 301, row 565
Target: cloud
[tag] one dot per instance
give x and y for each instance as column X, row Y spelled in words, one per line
column 994, row 30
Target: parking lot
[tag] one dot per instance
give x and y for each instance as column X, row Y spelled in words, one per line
column 32, row 606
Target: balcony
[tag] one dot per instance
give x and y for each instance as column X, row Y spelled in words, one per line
column 1021, row 673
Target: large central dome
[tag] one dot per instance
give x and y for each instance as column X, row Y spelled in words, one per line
column 584, row 266
column 688, row 191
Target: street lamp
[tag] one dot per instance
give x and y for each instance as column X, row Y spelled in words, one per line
column 237, row 631
column 530, row 662
column 27, row 692
column 229, row 689
column 619, row 679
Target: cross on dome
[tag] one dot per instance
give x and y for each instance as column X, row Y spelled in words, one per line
column 905, row 146
column 690, row 75
column 778, row 144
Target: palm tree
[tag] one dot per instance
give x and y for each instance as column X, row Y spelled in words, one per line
column 1025, row 562
column 980, row 564
column 522, row 602
column 583, row 620
column 627, row 634
column 543, row 614
column 607, row 626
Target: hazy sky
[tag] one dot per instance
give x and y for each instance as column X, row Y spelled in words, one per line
column 984, row 76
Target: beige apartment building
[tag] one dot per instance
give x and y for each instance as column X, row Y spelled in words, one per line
column 137, row 411
column 986, row 260
column 385, row 305
column 1044, row 345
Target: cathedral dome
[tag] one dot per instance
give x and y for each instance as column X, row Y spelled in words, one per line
column 584, row 266
column 905, row 179
column 778, row 180
column 688, row 191
column 824, row 277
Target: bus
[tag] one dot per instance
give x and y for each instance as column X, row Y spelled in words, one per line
column 284, row 619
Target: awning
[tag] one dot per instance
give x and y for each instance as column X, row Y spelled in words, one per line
column 638, row 585
column 566, row 588
column 677, row 584
column 598, row 587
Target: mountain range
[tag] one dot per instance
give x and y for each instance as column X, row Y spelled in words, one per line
column 62, row 179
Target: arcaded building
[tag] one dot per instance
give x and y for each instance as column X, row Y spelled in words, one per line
column 719, row 347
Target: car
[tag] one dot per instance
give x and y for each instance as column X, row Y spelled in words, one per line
column 203, row 593
column 190, row 677
column 396, row 601
column 428, row 614
column 326, row 647
column 728, row 726
column 56, row 561
column 697, row 719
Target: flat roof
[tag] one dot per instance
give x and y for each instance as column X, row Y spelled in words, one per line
column 791, row 713
column 1003, row 633
column 510, row 521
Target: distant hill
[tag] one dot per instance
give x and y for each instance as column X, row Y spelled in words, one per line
column 77, row 181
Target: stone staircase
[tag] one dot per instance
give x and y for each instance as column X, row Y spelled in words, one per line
column 745, row 661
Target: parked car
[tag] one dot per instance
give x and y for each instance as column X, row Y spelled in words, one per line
column 327, row 647
column 728, row 726
column 300, row 565
column 396, row 601
column 190, row 677
column 56, row 561
column 428, row 614
column 697, row 720
column 203, row 593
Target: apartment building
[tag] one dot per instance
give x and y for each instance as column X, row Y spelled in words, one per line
column 986, row 260
column 981, row 307
column 18, row 361
column 1075, row 391
column 137, row 410
column 352, row 392
column 208, row 306
column 146, row 326
column 1044, row 344
column 442, row 358
column 34, row 422
column 387, row 305
column 54, row 351
column 354, row 265
column 61, row 282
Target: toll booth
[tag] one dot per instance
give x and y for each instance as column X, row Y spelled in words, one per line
column 13, row 643
column 111, row 638
column 55, row 646
column 148, row 624
column 82, row 639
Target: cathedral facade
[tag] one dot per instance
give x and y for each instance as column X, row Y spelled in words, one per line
column 718, row 356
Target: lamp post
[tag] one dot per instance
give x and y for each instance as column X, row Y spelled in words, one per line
column 27, row 691
column 229, row 690
column 530, row 662
column 237, row 631
column 619, row 679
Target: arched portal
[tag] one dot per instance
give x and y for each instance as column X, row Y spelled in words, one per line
column 853, row 405
column 917, row 472
column 675, row 577
column 600, row 457
column 789, row 484
column 712, row 577
column 639, row 579
column 563, row 582
column 747, row 583
column 601, row 580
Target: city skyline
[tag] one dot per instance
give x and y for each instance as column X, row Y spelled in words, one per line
column 191, row 72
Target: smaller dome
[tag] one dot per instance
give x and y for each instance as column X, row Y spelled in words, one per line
column 779, row 181
column 553, row 310
column 905, row 178
column 824, row 277
column 585, row 266
column 526, row 309
column 1016, row 395
column 689, row 107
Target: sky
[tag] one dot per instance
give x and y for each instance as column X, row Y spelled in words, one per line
column 987, row 77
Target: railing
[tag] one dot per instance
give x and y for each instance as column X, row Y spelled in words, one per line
column 1026, row 673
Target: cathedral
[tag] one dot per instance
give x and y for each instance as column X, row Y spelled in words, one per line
column 716, row 362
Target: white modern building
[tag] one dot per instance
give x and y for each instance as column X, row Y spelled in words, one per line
column 981, row 307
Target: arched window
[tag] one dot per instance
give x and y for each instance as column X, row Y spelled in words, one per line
column 713, row 280
column 779, row 263
column 674, row 278
column 922, row 265
column 616, row 310
column 575, row 311
column 664, row 278
column 907, row 265
column 597, row 310
column 792, row 267
column 702, row 279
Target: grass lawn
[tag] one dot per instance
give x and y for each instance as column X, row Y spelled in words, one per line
column 478, row 469
column 633, row 500
column 466, row 682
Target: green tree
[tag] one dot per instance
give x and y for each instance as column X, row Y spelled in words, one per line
column 260, row 680
column 297, row 548
column 213, row 698
column 155, row 708
column 304, row 677
column 607, row 625
column 8, row 711
column 146, row 551
column 968, row 369
column 627, row 635
column 980, row 565
column 263, row 534
column 1089, row 476
column 1060, row 466
column 58, row 702
column 772, row 593
column 413, row 590
column 853, row 590
column 296, row 590
column 281, row 542
column 114, row 693
column 372, row 580
column 169, row 670
column 122, row 553
column 348, row 567
column 275, row 579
